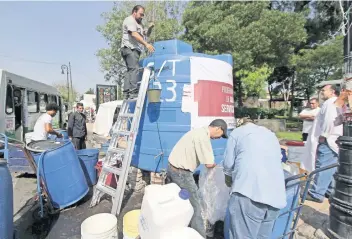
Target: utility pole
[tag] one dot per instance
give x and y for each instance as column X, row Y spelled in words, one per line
column 347, row 46
column 63, row 68
column 69, row 67
column 340, row 198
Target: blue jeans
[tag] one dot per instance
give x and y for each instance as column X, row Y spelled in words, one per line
column 249, row 219
column 184, row 179
column 324, row 181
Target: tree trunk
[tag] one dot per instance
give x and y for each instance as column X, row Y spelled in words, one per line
column 292, row 92
column 270, row 95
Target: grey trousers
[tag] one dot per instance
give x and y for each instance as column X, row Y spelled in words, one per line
column 184, row 179
column 131, row 58
column 249, row 219
column 79, row 143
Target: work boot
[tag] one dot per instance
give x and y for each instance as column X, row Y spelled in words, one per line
column 310, row 198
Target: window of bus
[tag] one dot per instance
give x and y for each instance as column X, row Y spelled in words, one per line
column 43, row 102
column 52, row 99
column 33, row 102
column 9, row 100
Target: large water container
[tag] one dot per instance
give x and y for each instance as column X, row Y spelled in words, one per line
column 184, row 233
column 6, row 202
column 62, row 173
column 164, row 207
column 196, row 89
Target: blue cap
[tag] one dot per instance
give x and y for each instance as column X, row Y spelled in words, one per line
column 184, row 194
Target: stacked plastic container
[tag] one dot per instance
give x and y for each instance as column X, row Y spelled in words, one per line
column 166, row 212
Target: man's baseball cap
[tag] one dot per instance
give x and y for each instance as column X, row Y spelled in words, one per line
column 222, row 124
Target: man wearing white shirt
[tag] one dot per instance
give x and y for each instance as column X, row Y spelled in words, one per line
column 43, row 126
column 327, row 129
column 308, row 115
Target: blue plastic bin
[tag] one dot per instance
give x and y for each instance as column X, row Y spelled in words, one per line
column 62, row 174
column 283, row 223
column 88, row 159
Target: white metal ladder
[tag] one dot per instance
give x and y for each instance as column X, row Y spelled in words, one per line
column 118, row 159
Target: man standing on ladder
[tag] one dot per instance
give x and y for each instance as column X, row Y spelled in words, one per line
column 132, row 45
column 193, row 149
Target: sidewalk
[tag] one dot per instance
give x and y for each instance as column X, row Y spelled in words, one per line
column 314, row 221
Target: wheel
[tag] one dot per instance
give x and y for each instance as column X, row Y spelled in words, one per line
column 36, row 213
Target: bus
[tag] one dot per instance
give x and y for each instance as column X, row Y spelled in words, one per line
column 24, row 100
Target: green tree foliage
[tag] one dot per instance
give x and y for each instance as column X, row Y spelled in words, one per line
column 324, row 62
column 258, row 37
column 165, row 15
column 254, row 80
column 62, row 88
column 90, row 91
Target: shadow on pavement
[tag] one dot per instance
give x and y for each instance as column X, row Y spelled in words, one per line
column 314, row 218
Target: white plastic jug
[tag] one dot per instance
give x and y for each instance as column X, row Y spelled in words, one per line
column 164, row 208
column 183, row 233
column 100, row 226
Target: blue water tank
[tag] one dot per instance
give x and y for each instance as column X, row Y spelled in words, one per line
column 196, row 89
column 6, row 201
column 63, row 175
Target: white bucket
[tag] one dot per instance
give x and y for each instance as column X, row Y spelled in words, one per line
column 100, row 226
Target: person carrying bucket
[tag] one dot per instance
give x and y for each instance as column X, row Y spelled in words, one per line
column 43, row 126
column 193, row 149
column 77, row 128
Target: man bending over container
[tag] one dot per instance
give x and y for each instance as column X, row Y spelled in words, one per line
column 43, row 126
column 193, row 149
column 252, row 167
column 77, row 128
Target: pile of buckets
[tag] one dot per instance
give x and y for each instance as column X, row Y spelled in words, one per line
column 104, row 226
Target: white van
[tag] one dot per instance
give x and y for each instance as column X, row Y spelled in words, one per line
column 24, row 100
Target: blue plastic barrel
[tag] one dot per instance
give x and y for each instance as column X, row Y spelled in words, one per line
column 63, row 175
column 284, row 222
column 187, row 80
column 88, row 159
column 6, row 202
